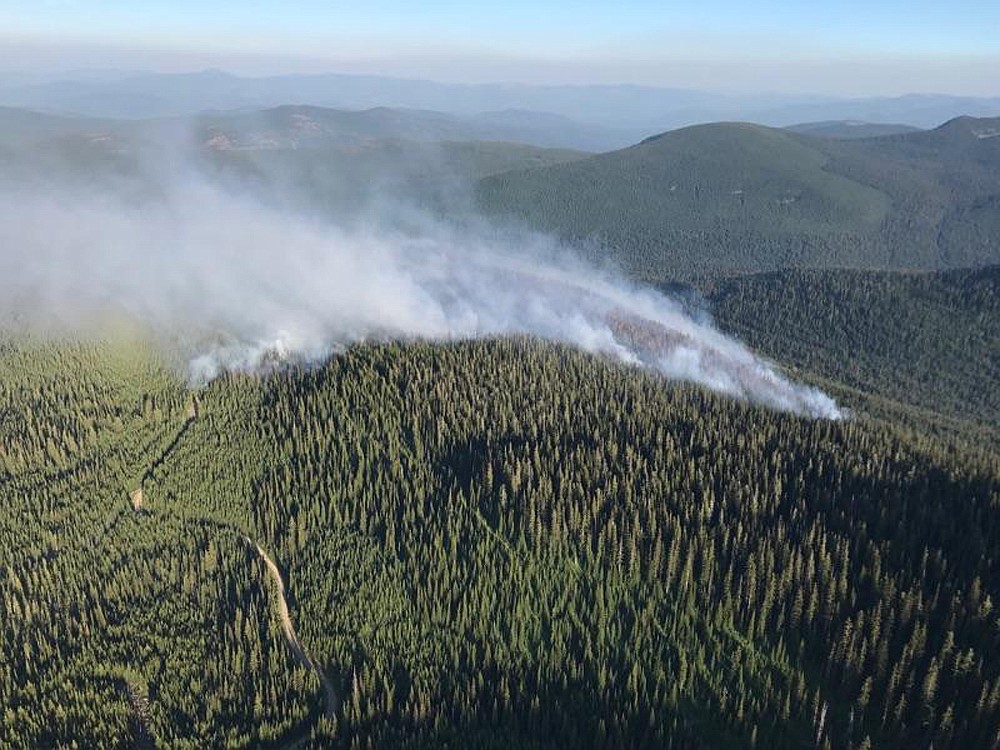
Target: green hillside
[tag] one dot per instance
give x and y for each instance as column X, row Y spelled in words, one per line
column 916, row 346
column 945, row 188
column 735, row 197
column 492, row 544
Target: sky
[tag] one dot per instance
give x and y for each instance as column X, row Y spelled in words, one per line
column 849, row 47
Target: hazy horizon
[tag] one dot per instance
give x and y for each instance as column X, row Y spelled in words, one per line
column 306, row 69
column 853, row 50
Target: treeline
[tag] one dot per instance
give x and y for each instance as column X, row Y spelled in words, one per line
column 511, row 544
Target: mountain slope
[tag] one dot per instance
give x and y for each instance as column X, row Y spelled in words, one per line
column 945, row 188
column 310, row 158
column 922, row 347
column 489, row 544
column 727, row 195
column 736, row 197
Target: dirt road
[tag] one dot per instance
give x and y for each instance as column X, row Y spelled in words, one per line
column 284, row 616
column 330, row 696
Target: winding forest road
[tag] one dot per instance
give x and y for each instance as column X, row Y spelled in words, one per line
column 329, row 694
column 136, row 499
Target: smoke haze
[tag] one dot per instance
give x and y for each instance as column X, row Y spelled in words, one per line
column 239, row 281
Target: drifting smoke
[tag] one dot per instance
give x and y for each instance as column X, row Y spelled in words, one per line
column 265, row 281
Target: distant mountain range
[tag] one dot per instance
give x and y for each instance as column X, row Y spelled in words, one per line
column 303, row 125
column 848, row 129
column 609, row 116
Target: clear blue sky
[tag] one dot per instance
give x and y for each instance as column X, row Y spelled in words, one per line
column 775, row 45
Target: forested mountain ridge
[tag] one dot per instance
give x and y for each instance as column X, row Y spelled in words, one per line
column 302, row 123
column 961, row 139
column 734, row 197
column 305, row 125
column 329, row 162
column 482, row 548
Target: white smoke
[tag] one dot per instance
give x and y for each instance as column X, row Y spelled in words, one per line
column 262, row 282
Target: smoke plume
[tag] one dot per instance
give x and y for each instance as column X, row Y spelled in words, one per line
column 247, row 281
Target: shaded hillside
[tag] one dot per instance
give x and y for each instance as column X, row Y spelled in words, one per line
column 736, row 197
column 928, row 342
column 957, row 144
column 945, row 188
